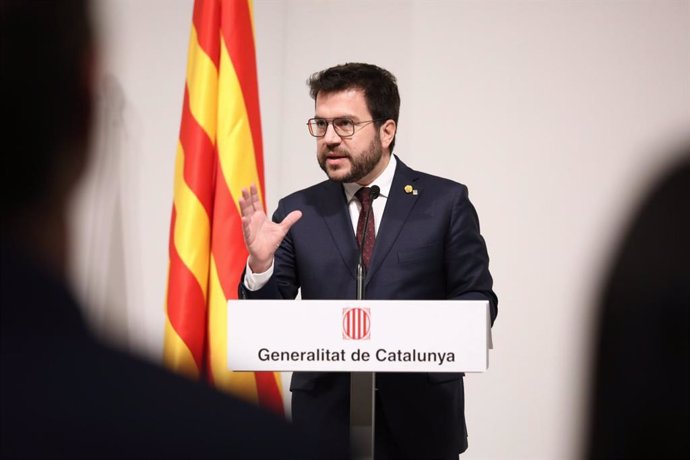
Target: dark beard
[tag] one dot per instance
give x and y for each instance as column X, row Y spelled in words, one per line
column 359, row 167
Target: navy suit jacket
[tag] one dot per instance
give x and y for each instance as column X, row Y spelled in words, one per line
column 428, row 247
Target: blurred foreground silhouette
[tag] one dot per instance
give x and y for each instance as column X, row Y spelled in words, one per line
column 639, row 400
column 63, row 394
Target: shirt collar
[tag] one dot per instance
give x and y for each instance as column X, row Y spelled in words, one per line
column 384, row 181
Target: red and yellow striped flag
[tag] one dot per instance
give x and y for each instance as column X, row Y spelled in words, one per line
column 219, row 153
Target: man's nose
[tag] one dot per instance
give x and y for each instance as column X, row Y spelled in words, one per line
column 331, row 137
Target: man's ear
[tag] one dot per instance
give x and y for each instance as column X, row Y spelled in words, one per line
column 387, row 133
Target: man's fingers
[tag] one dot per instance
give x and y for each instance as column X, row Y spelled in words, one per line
column 250, row 201
column 245, row 202
column 290, row 219
column 254, row 195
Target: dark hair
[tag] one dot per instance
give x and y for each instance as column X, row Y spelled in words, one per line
column 379, row 86
column 45, row 101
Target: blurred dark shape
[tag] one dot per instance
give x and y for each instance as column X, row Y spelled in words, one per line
column 639, row 401
column 63, row 394
column 46, row 93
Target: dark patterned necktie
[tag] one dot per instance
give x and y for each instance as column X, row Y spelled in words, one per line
column 364, row 197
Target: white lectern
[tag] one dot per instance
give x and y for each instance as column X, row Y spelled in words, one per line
column 358, row 336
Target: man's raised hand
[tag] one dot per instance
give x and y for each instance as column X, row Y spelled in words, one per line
column 262, row 236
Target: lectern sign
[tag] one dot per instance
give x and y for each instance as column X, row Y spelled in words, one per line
column 369, row 336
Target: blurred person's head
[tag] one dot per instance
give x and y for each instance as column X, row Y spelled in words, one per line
column 46, row 93
column 639, row 400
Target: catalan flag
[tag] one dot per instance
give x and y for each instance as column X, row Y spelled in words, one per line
column 218, row 154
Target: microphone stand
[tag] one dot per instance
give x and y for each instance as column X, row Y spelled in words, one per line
column 363, row 384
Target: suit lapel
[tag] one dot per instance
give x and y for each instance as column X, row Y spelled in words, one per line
column 398, row 207
column 334, row 210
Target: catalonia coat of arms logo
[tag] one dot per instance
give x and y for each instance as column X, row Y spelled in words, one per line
column 356, row 323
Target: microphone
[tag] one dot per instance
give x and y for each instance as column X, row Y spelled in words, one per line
column 374, row 193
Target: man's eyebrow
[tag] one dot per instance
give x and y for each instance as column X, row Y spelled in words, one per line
column 352, row 117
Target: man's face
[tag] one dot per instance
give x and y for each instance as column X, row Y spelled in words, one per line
column 357, row 158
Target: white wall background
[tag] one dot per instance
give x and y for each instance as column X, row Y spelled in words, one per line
column 556, row 114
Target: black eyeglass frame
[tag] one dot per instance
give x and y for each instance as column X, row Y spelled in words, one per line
column 332, row 121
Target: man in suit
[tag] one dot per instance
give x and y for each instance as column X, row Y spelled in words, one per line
column 427, row 246
column 62, row 393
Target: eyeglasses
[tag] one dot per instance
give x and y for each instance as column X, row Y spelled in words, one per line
column 344, row 127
